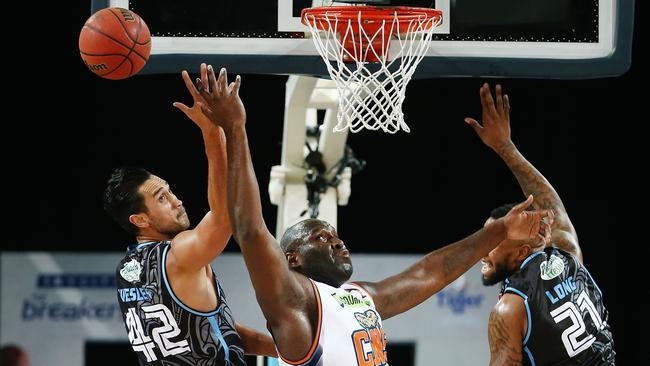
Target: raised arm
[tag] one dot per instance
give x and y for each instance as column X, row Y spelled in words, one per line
column 193, row 249
column 495, row 133
column 285, row 297
column 439, row 268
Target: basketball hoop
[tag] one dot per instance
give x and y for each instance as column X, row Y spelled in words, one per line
column 371, row 53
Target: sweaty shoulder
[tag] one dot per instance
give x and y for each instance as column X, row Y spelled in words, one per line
column 510, row 305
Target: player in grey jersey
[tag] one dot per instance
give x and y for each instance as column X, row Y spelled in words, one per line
column 173, row 306
column 550, row 311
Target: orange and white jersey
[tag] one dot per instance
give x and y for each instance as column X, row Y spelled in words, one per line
column 349, row 329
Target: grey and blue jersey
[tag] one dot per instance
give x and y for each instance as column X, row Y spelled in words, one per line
column 161, row 329
column 567, row 320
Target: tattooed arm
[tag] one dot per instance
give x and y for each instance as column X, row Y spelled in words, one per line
column 506, row 330
column 495, row 133
column 533, row 182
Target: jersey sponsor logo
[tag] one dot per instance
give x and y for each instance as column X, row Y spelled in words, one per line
column 551, row 268
column 350, row 301
column 134, row 294
column 131, row 271
column 561, row 290
column 369, row 342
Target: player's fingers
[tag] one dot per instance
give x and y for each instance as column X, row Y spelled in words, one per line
column 486, row 94
column 475, row 125
column 222, row 82
column 204, row 75
column 499, row 97
column 545, row 232
column 199, row 85
column 483, row 91
column 188, row 82
column 237, row 85
column 212, row 80
column 523, row 205
column 549, row 218
column 185, row 109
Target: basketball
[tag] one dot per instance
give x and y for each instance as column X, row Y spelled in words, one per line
column 115, row 43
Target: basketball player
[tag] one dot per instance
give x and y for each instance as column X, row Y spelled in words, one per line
column 550, row 311
column 12, row 355
column 173, row 306
column 315, row 317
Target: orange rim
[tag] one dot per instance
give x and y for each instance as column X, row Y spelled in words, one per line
column 368, row 14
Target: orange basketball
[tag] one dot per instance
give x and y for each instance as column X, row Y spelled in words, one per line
column 115, row 43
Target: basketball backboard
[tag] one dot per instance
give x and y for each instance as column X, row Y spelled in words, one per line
column 500, row 38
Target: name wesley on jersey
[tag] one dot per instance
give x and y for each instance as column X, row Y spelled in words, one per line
column 134, row 294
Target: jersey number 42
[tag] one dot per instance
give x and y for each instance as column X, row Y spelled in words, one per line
column 161, row 335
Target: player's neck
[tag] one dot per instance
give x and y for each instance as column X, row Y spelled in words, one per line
column 143, row 238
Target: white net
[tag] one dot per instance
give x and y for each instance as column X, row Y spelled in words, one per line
column 372, row 61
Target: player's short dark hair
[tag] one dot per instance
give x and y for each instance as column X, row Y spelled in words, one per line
column 502, row 210
column 121, row 196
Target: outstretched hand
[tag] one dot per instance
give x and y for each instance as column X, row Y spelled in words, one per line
column 521, row 224
column 495, row 128
column 224, row 107
column 195, row 113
